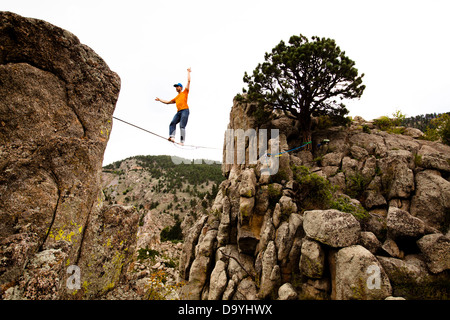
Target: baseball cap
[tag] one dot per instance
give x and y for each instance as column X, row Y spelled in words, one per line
column 178, row 85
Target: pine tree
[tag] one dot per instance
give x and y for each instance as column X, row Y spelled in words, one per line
column 305, row 78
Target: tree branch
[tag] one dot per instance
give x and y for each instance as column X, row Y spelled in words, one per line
column 238, row 262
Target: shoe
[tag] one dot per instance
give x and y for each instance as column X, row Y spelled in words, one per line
column 171, row 139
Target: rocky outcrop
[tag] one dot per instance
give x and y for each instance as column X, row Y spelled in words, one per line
column 57, row 97
column 363, row 216
column 359, row 275
column 431, row 202
column 332, row 227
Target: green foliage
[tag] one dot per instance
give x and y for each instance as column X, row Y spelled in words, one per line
column 417, row 160
column 154, row 205
column 366, row 129
column 147, row 253
column 261, row 115
column 439, row 128
column 330, row 120
column 194, row 178
column 383, row 123
column 305, row 78
column 114, row 166
column 127, row 190
column 173, row 233
column 420, row 122
column 314, row 191
column 356, row 184
column 343, row 203
column 391, row 124
column 431, row 134
column 397, row 130
column 274, row 195
column 324, row 122
column 170, row 264
column 141, row 220
column 398, row 118
column 192, row 173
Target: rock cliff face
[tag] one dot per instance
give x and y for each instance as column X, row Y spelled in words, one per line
column 57, row 97
column 363, row 216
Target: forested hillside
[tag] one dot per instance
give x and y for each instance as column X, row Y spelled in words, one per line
column 421, row 122
column 157, row 183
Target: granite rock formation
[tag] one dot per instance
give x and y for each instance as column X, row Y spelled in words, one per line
column 57, row 97
column 364, row 215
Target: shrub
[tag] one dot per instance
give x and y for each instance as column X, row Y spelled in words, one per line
column 324, row 122
column 417, row 160
column 391, row 124
column 154, row 205
column 314, row 192
column 173, row 233
column 439, row 128
column 356, row 185
column 158, row 287
column 344, row 204
column 398, row 118
column 383, row 123
column 147, row 253
column 274, row 195
column 366, row 129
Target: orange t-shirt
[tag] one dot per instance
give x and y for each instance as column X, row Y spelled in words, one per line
column 181, row 100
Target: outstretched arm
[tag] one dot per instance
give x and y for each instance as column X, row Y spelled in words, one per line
column 189, row 79
column 164, row 101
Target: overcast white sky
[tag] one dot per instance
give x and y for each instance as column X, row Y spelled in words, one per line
column 402, row 48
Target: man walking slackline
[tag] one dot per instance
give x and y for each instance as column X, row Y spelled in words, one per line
column 182, row 114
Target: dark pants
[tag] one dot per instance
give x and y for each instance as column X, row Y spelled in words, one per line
column 180, row 117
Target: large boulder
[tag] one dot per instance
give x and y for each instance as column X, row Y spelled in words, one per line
column 287, row 292
column 397, row 175
column 312, row 259
column 370, row 242
column 360, row 276
column 436, row 249
column 401, row 224
column 190, row 243
column 57, row 97
column 410, row 270
column 107, row 251
column 248, row 183
column 332, row 159
column 204, row 255
column 374, row 144
column 431, row 202
column 398, row 142
column 411, row 279
column 285, row 235
column 332, row 227
column 218, row 281
column 434, row 156
column 270, row 275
